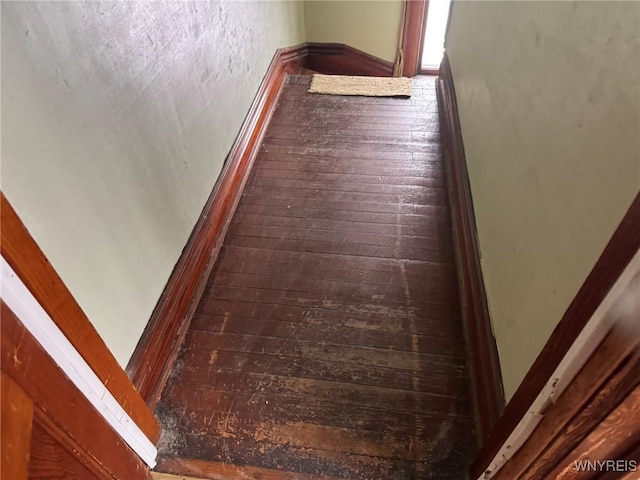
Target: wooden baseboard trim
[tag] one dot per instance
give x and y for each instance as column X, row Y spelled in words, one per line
column 24, row 256
column 482, row 351
column 158, row 347
column 340, row 59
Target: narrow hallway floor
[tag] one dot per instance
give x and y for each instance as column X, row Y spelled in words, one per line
column 328, row 342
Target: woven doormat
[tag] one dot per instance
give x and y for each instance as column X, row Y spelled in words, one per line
column 365, row 86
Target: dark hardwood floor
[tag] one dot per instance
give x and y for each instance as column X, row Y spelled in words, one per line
column 328, row 342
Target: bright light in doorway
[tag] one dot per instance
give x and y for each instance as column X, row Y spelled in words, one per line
column 433, row 48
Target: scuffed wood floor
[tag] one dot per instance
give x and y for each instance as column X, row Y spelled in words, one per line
column 328, row 343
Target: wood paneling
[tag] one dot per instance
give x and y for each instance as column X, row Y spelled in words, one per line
column 69, row 419
column 15, row 437
column 27, row 260
column 328, row 341
column 485, row 366
column 157, row 349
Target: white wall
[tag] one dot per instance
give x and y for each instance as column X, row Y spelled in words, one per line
column 116, row 119
column 549, row 101
column 370, row 26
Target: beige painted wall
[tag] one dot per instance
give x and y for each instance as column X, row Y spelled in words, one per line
column 371, row 26
column 116, row 119
column 549, row 101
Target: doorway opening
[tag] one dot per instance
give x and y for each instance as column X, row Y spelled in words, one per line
column 435, row 29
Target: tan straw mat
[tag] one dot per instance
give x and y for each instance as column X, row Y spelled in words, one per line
column 366, row 86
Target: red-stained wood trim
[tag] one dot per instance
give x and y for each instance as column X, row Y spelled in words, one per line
column 158, row 347
column 61, row 407
column 415, row 18
column 29, row 262
column 16, row 420
column 340, row 59
column 481, row 345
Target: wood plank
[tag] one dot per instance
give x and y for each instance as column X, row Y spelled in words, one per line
column 328, row 313
column 427, row 196
column 343, row 394
column 366, row 138
column 422, row 309
column 330, row 333
column 343, row 185
column 442, row 362
column 16, row 425
column 276, row 406
column 318, row 265
column 218, row 361
column 331, row 179
column 339, row 204
column 430, row 228
column 433, row 216
column 353, row 145
column 335, row 150
column 331, row 126
column 396, row 292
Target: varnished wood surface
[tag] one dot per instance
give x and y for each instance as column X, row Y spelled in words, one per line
column 328, row 341
column 16, row 422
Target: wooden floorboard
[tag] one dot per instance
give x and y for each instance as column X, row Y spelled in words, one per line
column 328, row 340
